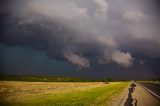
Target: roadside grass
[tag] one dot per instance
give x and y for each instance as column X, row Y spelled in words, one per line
column 154, row 82
column 59, row 94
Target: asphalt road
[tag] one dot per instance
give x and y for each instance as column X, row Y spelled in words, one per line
column 153, row 87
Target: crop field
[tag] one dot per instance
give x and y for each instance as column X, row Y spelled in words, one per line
column 14, row 93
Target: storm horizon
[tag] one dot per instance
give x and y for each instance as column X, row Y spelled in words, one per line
column 95, row 39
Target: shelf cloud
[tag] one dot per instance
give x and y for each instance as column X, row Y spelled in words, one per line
column 82, row 31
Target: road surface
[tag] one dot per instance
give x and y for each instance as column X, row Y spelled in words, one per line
column 138, row 96
column 153, row 87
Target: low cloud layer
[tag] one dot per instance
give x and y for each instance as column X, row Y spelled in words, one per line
column 118, row 57
column 134, row 16
column 124, row 59
column 78, row 60
column 79, row 31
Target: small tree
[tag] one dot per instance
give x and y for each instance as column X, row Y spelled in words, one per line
column 109, row 79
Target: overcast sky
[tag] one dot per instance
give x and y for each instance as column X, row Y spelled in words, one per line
column 86, row 38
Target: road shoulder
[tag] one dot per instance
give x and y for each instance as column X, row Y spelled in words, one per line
column 141, row 97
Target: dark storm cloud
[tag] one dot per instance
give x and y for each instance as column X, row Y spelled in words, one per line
column 137, row 28
column 78, row 30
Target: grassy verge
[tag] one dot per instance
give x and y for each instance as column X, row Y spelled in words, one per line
column 53, row 94
column 154, row 82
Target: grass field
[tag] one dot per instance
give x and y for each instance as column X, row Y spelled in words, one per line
column 14, row 93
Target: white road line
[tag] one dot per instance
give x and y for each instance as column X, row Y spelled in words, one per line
column 149, row 90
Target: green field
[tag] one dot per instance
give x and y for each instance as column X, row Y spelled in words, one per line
column 14, row 93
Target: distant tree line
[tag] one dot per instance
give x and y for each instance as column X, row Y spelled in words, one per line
column 52, row 79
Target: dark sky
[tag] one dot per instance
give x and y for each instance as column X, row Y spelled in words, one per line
column 119, row 39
